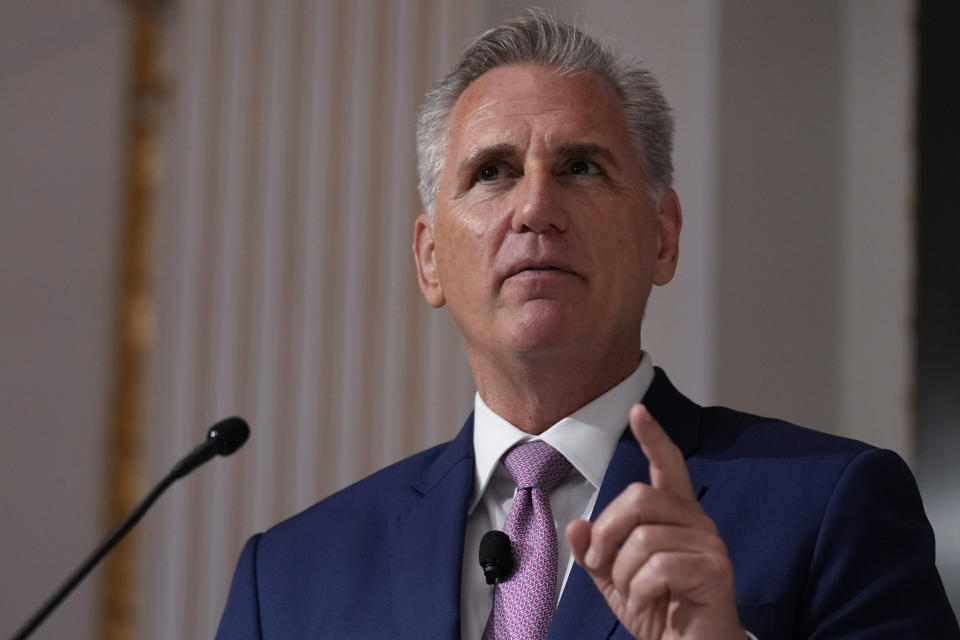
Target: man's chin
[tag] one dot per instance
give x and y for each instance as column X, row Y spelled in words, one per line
column 545, row 335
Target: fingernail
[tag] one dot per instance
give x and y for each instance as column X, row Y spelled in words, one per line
column 592, row 558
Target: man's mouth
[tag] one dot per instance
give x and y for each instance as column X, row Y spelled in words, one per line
column 545, row 268
column 534, row 268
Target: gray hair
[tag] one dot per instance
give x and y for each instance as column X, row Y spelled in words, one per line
column 540, row 38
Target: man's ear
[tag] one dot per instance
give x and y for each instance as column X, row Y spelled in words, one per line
column 425, row 254
column 669, row 222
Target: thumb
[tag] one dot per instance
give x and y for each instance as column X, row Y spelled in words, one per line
column 578, row 533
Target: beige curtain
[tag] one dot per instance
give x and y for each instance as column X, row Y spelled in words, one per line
column 286, row 287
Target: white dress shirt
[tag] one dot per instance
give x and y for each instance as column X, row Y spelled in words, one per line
column 587, row 438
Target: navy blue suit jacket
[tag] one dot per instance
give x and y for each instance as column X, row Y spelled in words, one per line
column 827, row 536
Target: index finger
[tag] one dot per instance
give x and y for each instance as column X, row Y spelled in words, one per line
column 668, row 471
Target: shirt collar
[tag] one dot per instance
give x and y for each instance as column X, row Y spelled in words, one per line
column 587, row 437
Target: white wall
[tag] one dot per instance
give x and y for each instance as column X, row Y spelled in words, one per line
column 61, row 99
column 877, row 201
column 813, row 231
column 779, row 226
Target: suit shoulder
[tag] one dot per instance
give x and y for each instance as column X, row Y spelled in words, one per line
column 365, row 503
column 733, row 432
column 780, row 463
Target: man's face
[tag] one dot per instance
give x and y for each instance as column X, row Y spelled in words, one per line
column 543, row 239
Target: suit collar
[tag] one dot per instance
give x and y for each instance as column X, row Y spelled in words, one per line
column 582, row 611
column 677, row 414
column 426, row 544
column 456, row 451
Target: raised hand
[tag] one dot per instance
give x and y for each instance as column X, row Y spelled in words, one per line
column 655, row 555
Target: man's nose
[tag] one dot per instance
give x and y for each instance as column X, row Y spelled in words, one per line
column 539, row 206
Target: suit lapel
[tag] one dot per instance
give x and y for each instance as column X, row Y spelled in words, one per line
column 426, row 545
column 583, row 611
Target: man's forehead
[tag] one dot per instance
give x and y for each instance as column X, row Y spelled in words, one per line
column 513, row 99
column 515, row 107
column 537, row 87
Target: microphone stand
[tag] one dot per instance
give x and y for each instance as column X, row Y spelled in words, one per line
column 223, row 438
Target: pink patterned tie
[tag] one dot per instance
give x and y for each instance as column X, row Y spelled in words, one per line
column 523, row 605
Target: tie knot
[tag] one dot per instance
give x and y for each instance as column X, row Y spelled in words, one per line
column 536, row 465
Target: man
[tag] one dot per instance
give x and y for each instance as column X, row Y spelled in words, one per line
column 546, row 176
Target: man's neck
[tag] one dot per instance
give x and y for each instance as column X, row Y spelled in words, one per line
column 535, row 394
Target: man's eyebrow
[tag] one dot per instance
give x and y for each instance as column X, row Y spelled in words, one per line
column 498, row 152
column 483, row 155
column 587, row 150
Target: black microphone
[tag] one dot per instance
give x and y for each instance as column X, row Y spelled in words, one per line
column 496, row 556
column 223, row 438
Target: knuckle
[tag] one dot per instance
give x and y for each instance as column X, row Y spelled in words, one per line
column 622, row 580
column 702, row 521
column 718, row 564
column 601, row 532
column 719, row 547
column 639, row 539
column 709, row 525
column 644, row 583
column 659, row 566
column 637, row 493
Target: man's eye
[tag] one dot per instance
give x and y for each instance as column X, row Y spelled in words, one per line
column 583, row 168
column 488, row 173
